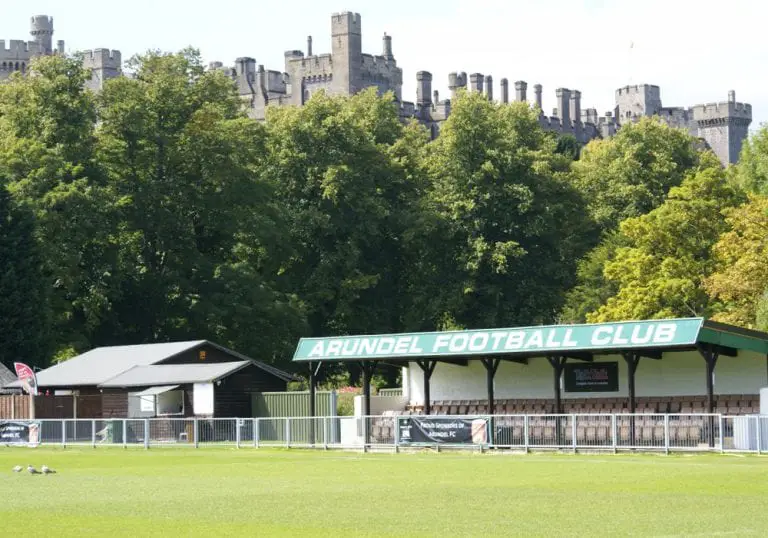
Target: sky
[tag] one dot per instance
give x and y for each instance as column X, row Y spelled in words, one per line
column 695, row 50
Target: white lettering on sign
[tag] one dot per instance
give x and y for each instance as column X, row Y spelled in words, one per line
column 415, row 346
column 617, row 339
column 497, row 337
column 334, row 348
column 458, row 343
column 478, row 341
column 385, row 346
column 514, row 340
column 368, row 346
column 598, row 339
column 401, row 347
column 317, row 350
column 665, row 332
column 567, row 341
column 440, row 342
column 350, row 347
column 551, row 342
column 536, row 340
column 637, row 339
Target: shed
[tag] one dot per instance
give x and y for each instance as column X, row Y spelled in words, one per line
column 183, row 379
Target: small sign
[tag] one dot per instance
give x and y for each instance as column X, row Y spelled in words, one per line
column 202, row 355
column 19, row 432
column 594, row 377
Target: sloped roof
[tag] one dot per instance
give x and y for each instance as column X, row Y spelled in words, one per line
column 6, row 377
column 104, row 363
column 174, row 374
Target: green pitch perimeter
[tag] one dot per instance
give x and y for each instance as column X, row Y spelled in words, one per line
column 218, row 492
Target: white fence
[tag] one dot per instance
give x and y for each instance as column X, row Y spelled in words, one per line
column 650, row 432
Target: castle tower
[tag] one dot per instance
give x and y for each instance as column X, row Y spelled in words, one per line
column 520, row 90
column 476, row 83
column 489, row 87
column 724, row 126
column 347, row 52
column 387, row 47
column 633, row 102
column 504, row 91
column 104, row 65
column 575, row 105
column 423, row 88
column 564, row 106
column 537, row 94
column 42, row 33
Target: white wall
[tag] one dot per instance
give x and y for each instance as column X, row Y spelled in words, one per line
column 677, row 374
column 379, row 404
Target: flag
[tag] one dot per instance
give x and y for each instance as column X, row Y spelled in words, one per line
column 27, row 377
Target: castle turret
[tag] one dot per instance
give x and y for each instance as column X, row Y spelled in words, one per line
column 476, row 83
column 521, row 88
column 347, row 52
column 423, row 88
column 504, row 91
column 537, row 93
column 489, row 87
column 60, row 46
column 724, row 126
column 42, row 33
column 387, row 47
column 309, row 45
column 564, row 106
column 104, row 65
column 575, row 106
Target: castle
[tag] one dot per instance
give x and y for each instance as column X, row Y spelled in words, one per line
column 103, row 63
column 723, row 126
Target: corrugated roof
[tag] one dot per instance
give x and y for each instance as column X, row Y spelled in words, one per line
column 153, row 391
column 103, row 363
column 174, row 374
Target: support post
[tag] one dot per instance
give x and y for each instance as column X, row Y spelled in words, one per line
column 313, row 371
column 368, row 369
column 491, row 365
column 146, row 434
column 125, row 433
column 632, row 360
column 427, row 367
column 710, row 358
column 557, row 363
column 93, row 433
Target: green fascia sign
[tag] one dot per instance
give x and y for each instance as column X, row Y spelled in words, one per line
column 528, row 340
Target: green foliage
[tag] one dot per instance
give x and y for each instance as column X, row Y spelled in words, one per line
column 507, row 227
column 630, row 174
column 751, row 172
column 568, row 145
column 24, row 315
column 661, row 271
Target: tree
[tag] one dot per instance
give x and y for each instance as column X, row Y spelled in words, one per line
column 343, row 170
column 568, row 145
column 661, row 271
column 741, row 279
column 198, row 233
column 751, row 172
column 46, row 157
column 630, row 174
column 24, row 315
column 511, row 226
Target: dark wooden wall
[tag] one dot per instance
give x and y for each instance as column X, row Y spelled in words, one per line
column 211, row 355
column 232, row 398
column 114, row 403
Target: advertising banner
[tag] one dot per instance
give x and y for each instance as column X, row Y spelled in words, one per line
column 426, row 429
column 27, row 377
column 19, row 432
column 594, row 377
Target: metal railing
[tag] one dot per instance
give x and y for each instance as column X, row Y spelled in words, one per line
column 574, row 432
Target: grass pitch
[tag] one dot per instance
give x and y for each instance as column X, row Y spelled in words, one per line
column 247, row 492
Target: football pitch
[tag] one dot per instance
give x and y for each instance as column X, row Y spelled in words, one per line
column 277, row 492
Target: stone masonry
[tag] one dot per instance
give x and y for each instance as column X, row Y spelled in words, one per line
column 103, row 63
column 723, row 126
column 346, row 70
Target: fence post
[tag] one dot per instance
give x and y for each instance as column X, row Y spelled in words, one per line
column 125, row 433
column 759, row 436
column 526, row 443
column 573, row 432
column 288, row 432
column 64, row 433
column 325, row 433
column 720, row 428
column 146, row 434
column 365, row 433
column 93, row 433
column 666, row 434
column 195, row 433
column 255, row 432
column 237, row 432
column 613, row 432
